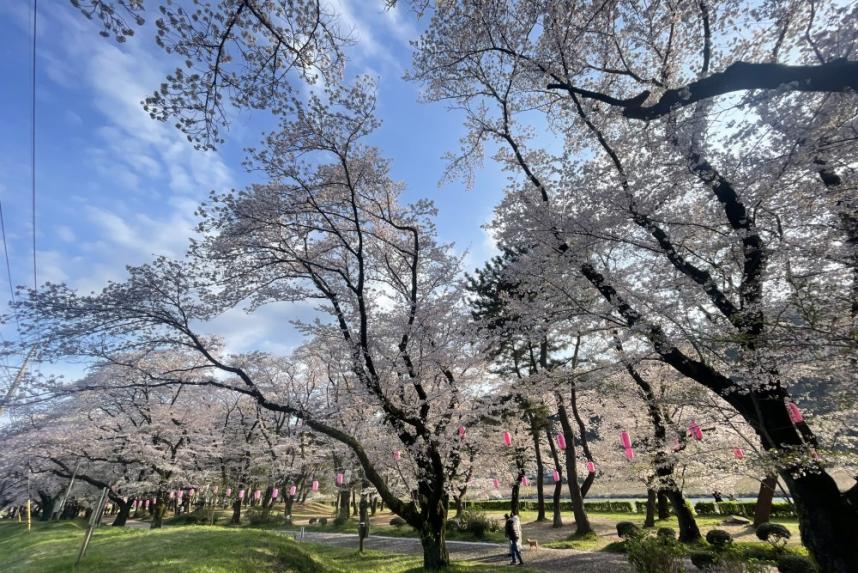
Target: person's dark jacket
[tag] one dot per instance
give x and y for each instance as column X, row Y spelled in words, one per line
column 509, row 530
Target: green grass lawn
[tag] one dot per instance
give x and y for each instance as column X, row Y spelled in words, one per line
column 53, row 547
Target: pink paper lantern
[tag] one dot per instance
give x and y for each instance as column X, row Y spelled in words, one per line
column 461, row 432
column 396, row 455
column 274, row 493
column 739, row 453
column 630, row 454
column 228, row 491
column 340, row 479
column 180, row 494
column 561, row 441
column 241, row 494
column 496, row 483
column 591, row 467
column 134, row 505
column 154, row 503
column 257, row 494
column 556, row 476
column 626, row 440
column 507, row 439
column 695, row 431
column 191, row 492
column 795, row 415
column 315, row 486
column 293, row 490
column 524, row 481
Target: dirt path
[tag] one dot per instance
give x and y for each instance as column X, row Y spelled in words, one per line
column 548, row 560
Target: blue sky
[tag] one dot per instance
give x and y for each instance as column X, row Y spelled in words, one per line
column 115, row 187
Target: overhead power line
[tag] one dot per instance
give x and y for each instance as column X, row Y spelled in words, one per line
column 33, row 141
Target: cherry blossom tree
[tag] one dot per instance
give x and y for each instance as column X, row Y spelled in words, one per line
column 697, row 148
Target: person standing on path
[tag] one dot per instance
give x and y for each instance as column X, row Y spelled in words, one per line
column 507, row 532
column 515, row 539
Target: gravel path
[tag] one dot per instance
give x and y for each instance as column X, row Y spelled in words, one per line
column 548, row 560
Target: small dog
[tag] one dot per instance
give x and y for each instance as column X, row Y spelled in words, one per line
column 533, row 544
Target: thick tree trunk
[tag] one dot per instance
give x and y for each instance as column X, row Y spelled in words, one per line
column 363, row 516
column 688, row 530
column 159, row 511
column 540, row 475
column 288, row 504
column 513, row 498
column 460, row 506
column 651, row 496
column 763, row 509
column 236, row 512
column 433, row 536
column 556, row 516
column 343, row 508
column 829, row 525
column 663, row 505
column 123, row 513
column 588, row 481
column 46, row 502
column 582, row 522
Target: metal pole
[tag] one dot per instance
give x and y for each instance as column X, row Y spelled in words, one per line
column 93, row 519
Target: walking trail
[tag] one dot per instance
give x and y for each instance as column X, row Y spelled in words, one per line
column 544, row 559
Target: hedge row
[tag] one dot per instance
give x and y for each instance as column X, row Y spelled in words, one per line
column 746, row 508
column 531, row 505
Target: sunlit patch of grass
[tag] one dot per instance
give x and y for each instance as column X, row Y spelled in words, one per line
column 53, row 547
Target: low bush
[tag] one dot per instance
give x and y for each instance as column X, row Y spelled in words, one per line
column 628, row 530
column 257, row 516
column 774, row 533
column 703, row 559
column 795, row 564
column 666, row 532
column 192, row 518
column 323, row 521
column 340, row 520
column 311, row 521
column 477, row 524
column 648, row 554
column 719, row 538
column 397, row 521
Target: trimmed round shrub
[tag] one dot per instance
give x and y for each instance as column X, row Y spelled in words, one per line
column 795, row 564
column 774, row 533
column 719, row 538
column 397, row 521
column 340, row 520
column 703, row 559
column 323, row 521
column 628, row 530
column 312, row 520
column 666, row 533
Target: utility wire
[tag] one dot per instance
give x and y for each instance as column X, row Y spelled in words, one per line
column 33, row 141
